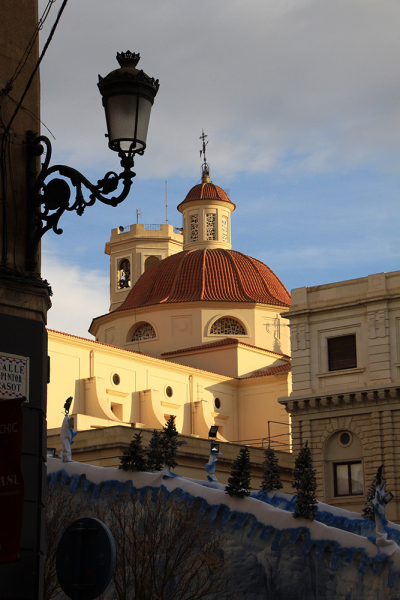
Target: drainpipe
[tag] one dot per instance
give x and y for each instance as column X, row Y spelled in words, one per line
column 91, row 364
column 191, row 405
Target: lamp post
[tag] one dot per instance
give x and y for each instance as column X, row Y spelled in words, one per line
column 35, row 205
column 128, row 96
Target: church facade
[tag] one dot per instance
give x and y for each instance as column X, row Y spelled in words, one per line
column 195, row 329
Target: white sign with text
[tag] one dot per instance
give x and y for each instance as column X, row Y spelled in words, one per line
column 14, row 376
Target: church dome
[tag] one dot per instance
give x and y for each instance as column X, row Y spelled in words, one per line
column 208, row 274
column 206, row 191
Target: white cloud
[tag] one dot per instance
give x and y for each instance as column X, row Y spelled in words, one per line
column 315, row 82
column 78, row 294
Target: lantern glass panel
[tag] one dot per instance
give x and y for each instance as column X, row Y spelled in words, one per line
column 121, row 111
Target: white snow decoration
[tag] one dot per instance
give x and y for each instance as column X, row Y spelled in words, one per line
column 261, row 513
column 386, row 547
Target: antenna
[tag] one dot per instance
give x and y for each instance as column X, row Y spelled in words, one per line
column 138, row 214
column 166, row 202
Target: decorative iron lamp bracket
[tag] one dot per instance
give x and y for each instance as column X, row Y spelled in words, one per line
column 49, row 201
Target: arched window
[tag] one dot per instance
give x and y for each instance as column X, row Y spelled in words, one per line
column 150, row 261
column 227, row 326
column 124, row 274
column 143, row 331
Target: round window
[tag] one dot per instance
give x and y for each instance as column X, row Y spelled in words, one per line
column 345, row 438
column 217, row 403
column 116, row 379
column 169, row 391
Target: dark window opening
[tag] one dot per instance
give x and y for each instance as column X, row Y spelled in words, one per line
column 217, row 403
column 342, row 352
column 348, row 479
column 345, row 438
column 169, row 391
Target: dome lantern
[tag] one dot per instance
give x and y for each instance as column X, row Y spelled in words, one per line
column 206, row 212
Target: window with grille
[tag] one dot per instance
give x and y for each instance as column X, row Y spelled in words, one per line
column 144, row 331
column 348, row 479
column 227, row 326
column 210, row 226
column 342, row 352
column 194, row 228
column 224, row 228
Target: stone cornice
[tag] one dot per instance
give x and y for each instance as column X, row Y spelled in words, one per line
column 310, row 310
column 341, row 399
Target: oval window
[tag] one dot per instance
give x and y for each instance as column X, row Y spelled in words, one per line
column 169, row 391
column 345, row 438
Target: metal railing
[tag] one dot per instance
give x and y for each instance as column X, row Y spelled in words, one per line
column 283, row 444
column 152, row 227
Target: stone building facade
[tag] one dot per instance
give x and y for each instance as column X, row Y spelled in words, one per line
column 345, row 400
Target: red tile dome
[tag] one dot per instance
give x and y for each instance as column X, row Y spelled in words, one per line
column 206, row 191
column 214, row 275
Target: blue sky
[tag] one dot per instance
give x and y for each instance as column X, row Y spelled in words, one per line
column 301, row 103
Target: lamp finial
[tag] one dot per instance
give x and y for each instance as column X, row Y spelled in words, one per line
column 128, row 58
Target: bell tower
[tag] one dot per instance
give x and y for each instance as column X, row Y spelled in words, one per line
column 133, row 250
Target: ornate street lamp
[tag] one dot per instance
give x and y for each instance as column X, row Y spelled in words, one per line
column 128, row 95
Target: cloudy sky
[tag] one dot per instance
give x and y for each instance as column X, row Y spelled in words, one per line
column 300, row 100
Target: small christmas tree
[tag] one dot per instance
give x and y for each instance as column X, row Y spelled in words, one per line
column 169, row 442
column 239, row 481
column 155, row 452
column 272, row 473
column 368, row 510
column 304, row 481
column 133, row 458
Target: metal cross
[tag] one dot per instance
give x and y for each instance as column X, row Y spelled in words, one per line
column 203, row 150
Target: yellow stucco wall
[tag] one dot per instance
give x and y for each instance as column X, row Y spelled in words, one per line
column 111, row 385
column 179, row 326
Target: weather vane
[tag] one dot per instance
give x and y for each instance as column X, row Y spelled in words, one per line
column 205, row 166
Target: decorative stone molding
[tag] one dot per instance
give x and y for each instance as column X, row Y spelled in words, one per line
column 343, row 423
column 343, row 399
column 299, row 337
column 378, row 324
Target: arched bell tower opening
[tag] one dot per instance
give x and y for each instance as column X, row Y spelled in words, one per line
column 124, row 274
column 150, row 261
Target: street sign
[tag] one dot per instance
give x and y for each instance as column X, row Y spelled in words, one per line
column 14, row 376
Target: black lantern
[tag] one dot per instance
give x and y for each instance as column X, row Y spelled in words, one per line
column 128, row 95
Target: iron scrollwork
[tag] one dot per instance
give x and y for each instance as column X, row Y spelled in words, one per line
column 49, row 201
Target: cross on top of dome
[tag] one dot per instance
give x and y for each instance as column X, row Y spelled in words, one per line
column 205, row 167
